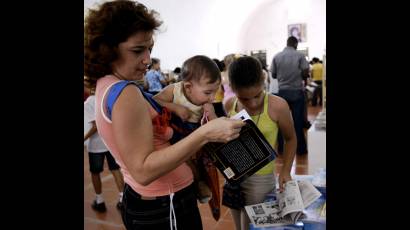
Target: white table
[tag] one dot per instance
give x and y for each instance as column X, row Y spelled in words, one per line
column 316, row 149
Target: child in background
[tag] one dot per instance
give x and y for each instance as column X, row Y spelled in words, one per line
column 228, row 59
column 270, row 114
column 219, row 95
column 97, row 151
column 154, row 79
column 191, row 99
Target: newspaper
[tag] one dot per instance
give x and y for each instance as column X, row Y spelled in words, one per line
column 316, row 212
column 288, row 206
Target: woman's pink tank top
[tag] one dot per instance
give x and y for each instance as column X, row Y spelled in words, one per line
column 173, row 181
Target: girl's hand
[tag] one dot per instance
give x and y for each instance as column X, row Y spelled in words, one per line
column 283, row 178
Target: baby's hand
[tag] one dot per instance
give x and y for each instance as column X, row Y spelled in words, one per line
column 183, row 112
column 209, row 111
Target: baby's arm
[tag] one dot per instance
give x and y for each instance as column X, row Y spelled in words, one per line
column 165, row 98
column 209, row 111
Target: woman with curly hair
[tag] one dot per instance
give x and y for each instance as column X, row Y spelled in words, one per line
column 158, row 192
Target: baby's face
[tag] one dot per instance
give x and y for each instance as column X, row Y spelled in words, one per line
column 202, row 92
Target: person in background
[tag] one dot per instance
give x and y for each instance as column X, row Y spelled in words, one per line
column 97, row 151
column 177, row 74
column 317, row 74
column 219, row 95
column 290, row 67
column 154, row 79
column 228, row 59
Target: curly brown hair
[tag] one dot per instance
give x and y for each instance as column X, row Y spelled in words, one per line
column 108, row 26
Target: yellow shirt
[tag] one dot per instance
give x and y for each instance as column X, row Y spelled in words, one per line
column 219, row 95
column 317, row 72
column 268, row 128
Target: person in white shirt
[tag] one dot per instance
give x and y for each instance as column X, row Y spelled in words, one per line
column 97, row 151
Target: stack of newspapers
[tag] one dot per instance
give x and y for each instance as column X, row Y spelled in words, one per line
column 286, row 208
column 320, row 121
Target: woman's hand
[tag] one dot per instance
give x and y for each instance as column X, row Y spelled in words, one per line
column 222, row 129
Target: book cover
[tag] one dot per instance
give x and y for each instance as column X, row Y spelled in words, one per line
column 243, row 156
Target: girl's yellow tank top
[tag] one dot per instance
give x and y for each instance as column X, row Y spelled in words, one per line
column 268, row 128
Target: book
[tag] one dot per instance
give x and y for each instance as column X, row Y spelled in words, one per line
column 287, row 207
column 243, row 156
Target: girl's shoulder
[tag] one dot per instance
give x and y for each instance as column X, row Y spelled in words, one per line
column 276, row 101
column 276, row 106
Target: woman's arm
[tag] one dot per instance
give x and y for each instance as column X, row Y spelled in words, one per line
column 133, row 134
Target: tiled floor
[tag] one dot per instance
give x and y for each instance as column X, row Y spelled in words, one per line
column 111, row 220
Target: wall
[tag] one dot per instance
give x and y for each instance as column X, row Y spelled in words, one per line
column 183, row 33
column 218, row 27
column 266, row 27
column 194, row 27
